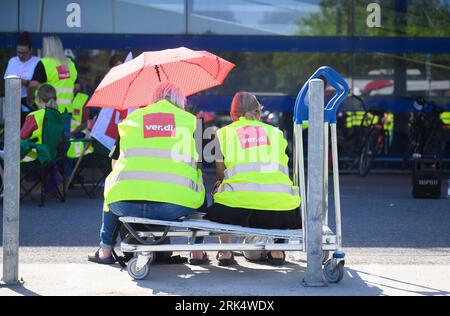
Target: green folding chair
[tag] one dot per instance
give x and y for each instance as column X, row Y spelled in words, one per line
column 51, row 155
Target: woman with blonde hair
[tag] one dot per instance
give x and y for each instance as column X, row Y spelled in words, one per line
column 57, row 70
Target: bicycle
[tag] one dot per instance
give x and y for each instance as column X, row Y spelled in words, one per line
column 375, row 137
column 426, row 135
column 350, row 137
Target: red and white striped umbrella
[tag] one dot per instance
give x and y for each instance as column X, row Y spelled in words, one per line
column 131, row 84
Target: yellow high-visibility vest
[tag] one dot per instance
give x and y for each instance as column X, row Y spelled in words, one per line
column 445, row 117
column 36, row 136
column 257, row 172
column 62, row 78
column 158, row 158
column 76, row 148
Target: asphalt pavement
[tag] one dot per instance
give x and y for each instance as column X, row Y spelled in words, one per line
column 394, row 245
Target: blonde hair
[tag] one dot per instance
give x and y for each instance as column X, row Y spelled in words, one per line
column 48, row 93
column 171, row 92
column 246, row 105
column 53, row 48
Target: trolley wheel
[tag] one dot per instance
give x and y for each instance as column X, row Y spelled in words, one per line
column 325, row 256
column 134, row 273
column 152, row 258
column 333, row 272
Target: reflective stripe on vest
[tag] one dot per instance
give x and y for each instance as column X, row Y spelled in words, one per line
column 267, row 188
column 159, row 177
column 64, row 90
column 64, row 101
column 256, row 167
column 160, row 153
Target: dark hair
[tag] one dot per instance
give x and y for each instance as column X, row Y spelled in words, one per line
column 114, row 59
column 47, row 91
column 24, row 40
column 325, row 82
column 322, row 77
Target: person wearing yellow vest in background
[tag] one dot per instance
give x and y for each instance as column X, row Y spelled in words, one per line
column 445, row 118
column 156, row 175
column 32, row 128
column 34, row 122
column 78, row 126
column 254, row 187
column 57, row 70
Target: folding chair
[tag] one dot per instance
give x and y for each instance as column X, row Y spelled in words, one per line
column 50, row 155
column 99, row 164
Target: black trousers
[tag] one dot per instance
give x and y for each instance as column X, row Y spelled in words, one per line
column 254, row 218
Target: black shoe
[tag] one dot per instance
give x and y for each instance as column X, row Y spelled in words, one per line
column 226, row 262
column 96, row 258
column 198, row 262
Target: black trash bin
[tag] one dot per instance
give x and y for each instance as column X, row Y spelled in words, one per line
column 427, row 178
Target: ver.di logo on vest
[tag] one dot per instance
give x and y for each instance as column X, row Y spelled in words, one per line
column 63, row 72
column 159, row 125
column 252, row 136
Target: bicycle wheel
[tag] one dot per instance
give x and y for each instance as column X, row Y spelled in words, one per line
column 433, row 144
column 366, row 158
column 1, row 181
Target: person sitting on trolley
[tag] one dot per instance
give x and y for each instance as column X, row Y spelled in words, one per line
column 157, row 175
column 254, row 188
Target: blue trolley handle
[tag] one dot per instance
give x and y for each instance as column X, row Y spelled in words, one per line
column 336, row 81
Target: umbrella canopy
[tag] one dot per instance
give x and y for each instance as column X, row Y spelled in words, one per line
column 131, row 84
column 377, row 85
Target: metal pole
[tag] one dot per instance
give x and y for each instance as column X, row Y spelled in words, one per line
column 326, row 131
column 299, row 176
column 337, row 193
column 11, row 197
column 314, row 276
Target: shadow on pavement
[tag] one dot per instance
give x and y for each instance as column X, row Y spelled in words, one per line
column 254, row 280
column 19, row 289
column 407, row 288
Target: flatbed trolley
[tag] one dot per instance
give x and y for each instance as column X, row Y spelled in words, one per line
column 151, row 240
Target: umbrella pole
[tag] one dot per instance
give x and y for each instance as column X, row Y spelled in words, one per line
column 157, row 72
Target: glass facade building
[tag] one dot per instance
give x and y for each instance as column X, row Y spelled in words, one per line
column 275, row 44
column 420, row 18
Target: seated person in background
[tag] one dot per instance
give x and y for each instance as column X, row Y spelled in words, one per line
column 34, row 122
column 32, row 128
column 251, row 164
column 156, row 175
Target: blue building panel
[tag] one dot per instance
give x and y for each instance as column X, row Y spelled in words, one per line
column 438, row 45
